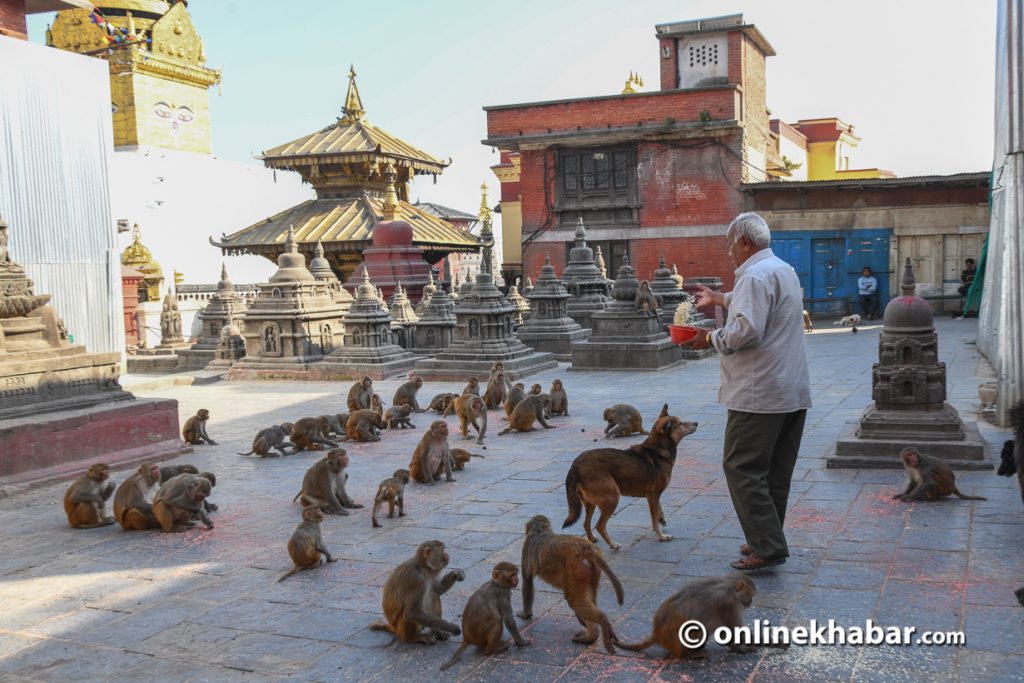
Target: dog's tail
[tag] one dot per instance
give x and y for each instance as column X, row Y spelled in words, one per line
column 572, row 496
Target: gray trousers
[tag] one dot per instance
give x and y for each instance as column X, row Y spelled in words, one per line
column 760, row 453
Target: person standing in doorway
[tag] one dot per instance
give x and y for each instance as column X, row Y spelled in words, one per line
column 867, row 287
column 765, row 386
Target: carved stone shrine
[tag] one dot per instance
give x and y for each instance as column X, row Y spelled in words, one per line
column 225, row 308
column 549, row 327
column 435, row 330
column 625, row 338
column 908, row 385
column 588, row 289
column 230, row 348
column 521, row 305
column 321, row 269
column 403, row 318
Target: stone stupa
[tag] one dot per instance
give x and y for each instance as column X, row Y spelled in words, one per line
column 62, row 407
column 484, row 331
column 521, row 305
column 549, row 327
column 321, row 269
column 435, row 330
column 403, row 318
column 669, row 287
column 224, row 309
column 368, row 350
column 588, row 289
column 908, row 385
column 625, row 338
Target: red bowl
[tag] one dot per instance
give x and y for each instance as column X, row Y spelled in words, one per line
column 681, row 333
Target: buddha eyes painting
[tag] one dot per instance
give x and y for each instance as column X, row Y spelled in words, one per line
column 176, row 116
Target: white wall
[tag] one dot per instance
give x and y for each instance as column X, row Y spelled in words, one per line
column 701, row 58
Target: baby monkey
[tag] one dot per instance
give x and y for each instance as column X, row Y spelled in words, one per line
column 393, row 491
column 929, row 478
column 488, row 613
column 307, row 542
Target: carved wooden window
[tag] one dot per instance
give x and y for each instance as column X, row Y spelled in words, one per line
column 598, row 184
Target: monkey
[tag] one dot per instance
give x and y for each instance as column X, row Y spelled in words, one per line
column 645, row 300
column 536, row 390
column 271, row 438
column 573, row 565
column 412, row 597
column 714, row 602
column 398, row 416
column 133, row 501
column 168, row 472
column 179, row 502
column 516, row 394
column 307, row 434
column 499, row 368
column 324, row 484
column 1007, row 461
column 929, row 478
column 360, row 395
column 559, row 399
column 472, row 387
column 362, row 425
column 85, row 501
column 470, row 410
column 334, row 425
column 533, row 407
column 212, row 478
column 440, row 403
column 377, row 405
column 496, row 391
column 623, row 420
column 432, row 455
column 488, row 613
column 307, row 543
column 194, row 431
column 460, row 458
column 393, row 491
column 406, row 394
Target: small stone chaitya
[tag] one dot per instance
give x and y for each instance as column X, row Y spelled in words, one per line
column 224, row 309
column 549, row 327
column 587, row 287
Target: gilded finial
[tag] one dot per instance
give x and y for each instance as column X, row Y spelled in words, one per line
column 131, row 26
column 353, row 108
column 634, row 79
column 390, row 195
column 485, row 209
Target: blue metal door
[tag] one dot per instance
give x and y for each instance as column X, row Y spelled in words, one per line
column 871, row 250
column 828, row 287
column 791, row 250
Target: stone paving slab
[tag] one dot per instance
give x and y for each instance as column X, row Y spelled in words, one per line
column 108, row 605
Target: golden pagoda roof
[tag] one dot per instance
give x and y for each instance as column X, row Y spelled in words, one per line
column 351, row 139
column 138, row 256
column 344, row 222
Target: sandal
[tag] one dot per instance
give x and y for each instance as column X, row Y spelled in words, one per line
column 753, row 562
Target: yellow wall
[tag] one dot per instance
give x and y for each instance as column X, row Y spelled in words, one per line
column 155, row 111
column 825, row 162
column 512, row 232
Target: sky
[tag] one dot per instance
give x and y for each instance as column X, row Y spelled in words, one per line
column 915, row 78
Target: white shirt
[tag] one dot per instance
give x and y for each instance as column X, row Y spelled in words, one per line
column 763, row 359
column 867, row 284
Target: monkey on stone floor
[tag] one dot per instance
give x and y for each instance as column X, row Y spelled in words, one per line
column 559, row 399
column 1013, row 449
column 516, row 394
column 498, row 367
column 179, row 502
column 496, row 391
column 391, row 490
column 412, row 597
column 212, row 478
column 623, row 420
column 377, row 405
column 168, row 472
column 335, row 425
column 307, row 434
column 460, row 458
column 536, row 390
column 360, row 395
column 363, row 425
column 271, row 438
column 133, row 501
column 470, row 410
column 432, row 455
column 324, row 484
column 573, row 565
column 929, row 478
column 439, row 404
column 399, row 416
column 488, row 613
column 405, row 395
column 645, row 300
column 85, row 501
column 713, row 602
column 194, row 431
column 533, row 407
column 472, row 387
column 307, row 542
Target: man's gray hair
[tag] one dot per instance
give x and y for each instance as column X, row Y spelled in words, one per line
column 753, row 227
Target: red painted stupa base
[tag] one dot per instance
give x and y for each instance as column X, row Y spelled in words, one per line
column 393, row 259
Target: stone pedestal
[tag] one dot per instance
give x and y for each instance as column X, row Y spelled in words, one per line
column 549, row 327
column 624, row 338
column 435, row 330
column 908, row 386
column 293, row 323
column 368, row 350
column 223, row 310
column 588, row 289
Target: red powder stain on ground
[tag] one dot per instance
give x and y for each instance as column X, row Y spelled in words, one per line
column 809, row 518
column 882, row 504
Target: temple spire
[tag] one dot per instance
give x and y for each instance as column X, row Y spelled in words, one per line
column 353, row 108
column 485, row 209
column 390, row 195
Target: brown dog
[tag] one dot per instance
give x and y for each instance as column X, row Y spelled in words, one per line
column 597, row 478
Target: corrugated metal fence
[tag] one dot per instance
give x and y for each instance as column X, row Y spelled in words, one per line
column 55, row 143
column 1001, row 319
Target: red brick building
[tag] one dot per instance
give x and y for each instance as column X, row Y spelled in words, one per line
column 12, row 13
column 652, row 173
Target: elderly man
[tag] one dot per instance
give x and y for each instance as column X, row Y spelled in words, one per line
column 765, row 386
